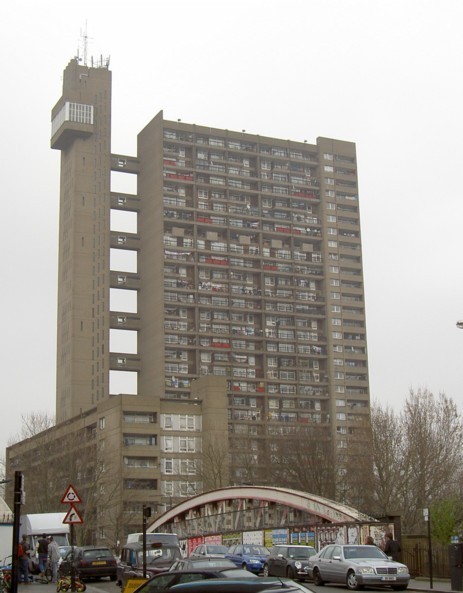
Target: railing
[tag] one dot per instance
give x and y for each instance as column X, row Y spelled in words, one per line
column 416, row 556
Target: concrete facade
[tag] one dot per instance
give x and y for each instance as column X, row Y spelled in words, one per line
column 249, row 297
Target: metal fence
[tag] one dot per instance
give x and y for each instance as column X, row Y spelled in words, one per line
column 415, row 554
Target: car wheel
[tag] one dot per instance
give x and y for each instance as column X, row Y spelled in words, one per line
column 317, row 579
column 290, row 572
column 113, row 577
column 351, row 581
column 266, row 571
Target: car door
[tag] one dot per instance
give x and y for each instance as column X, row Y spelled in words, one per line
column 335, row 566
column 280, row 561
column 324, row 563
column 234, row 554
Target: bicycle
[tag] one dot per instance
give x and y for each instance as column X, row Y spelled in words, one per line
column 44, row 577
column 5, row 579
column 64, row 585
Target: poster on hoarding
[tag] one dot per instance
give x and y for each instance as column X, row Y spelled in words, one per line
column 230, row 539
column 255, row 538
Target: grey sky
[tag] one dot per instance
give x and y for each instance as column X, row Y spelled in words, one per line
column 385, row 74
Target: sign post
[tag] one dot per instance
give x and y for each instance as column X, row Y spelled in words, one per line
column 72, row 517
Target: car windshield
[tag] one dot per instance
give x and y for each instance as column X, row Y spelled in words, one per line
column 97, row 553
column 256, row 550
column 216, row 549
column 363, row 552
column 218, row 562
column 300, row 552
column 238, row 573
column 158, row 555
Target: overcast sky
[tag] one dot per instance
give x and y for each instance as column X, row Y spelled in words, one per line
column 385, row 74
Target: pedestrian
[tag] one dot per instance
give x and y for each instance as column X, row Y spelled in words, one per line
column 392, row 547
column 369, row 541
column 23, row 557
column 42, row 553
column 53, row 557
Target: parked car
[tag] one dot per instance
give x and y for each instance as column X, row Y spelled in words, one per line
column 248, row 556
column 159, row 558
column 288, row 561
column 249, row 585
column 166, row 580
column 90, row 562
column 204, row 563
column 356, row 567
column 209, row 551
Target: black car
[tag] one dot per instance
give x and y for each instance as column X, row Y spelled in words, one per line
column 166, row 580
column 244, row 585
column 159, row 558
column 288, row 561
column 90, row 562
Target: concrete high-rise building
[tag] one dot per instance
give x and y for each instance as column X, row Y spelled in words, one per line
column 248, row 266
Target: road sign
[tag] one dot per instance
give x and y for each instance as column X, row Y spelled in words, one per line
column 70, row 496
column 72, row 516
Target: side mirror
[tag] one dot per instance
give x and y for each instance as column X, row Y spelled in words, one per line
column 336, row 557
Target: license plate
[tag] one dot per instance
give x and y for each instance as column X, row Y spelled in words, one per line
column 99, row 563
column 388, row 578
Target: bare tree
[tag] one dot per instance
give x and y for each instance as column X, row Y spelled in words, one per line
column 212, row 468
column 32, row 424
column 304, row 460
column 417, row 456
column 434, row 438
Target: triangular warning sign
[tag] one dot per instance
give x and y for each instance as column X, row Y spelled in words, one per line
column 71, row 495
column 72, row 516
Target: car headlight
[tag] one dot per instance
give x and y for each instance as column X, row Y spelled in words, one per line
column 366, row 570
column 402, row 570
column 298, row 565
column 254, row 561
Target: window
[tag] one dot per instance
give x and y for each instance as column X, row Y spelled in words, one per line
column 186, row 444
column 328, row 156
column 187, row 422
column 168, row 424
column 168, row 443
column 101, row 423
column 136, row 440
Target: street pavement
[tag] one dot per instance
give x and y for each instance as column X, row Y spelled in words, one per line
column 420, row 584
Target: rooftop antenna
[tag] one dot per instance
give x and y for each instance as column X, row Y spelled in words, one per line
column 84, row 41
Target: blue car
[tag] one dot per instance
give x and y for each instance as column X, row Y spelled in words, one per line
column 248, row 556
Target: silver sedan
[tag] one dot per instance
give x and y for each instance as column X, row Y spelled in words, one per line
column 357, row 567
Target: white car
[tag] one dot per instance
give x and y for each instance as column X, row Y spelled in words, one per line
column 356, row 567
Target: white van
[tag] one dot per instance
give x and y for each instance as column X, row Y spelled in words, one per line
column 152, row 538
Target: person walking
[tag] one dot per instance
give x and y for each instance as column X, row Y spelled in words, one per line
column 53, row 557
column 23, row 557
column 392, row 547
column 42, row 553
